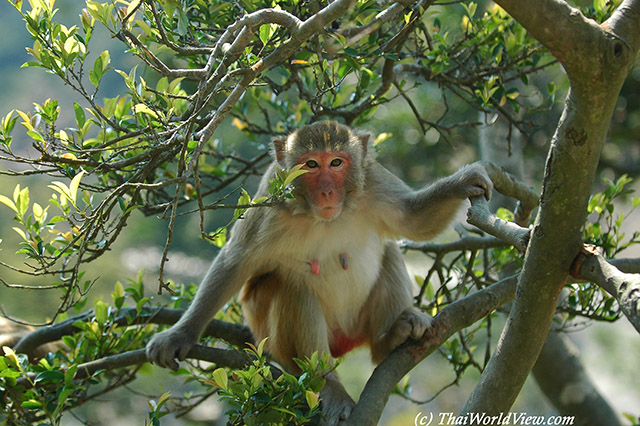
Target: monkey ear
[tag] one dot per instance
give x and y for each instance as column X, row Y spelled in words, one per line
column 279, row 146
column 364, row 142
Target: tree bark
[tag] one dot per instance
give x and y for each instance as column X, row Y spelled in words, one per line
column 597, row 60
column 558, row 371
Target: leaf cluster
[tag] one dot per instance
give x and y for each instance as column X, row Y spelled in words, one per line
column 258, row 396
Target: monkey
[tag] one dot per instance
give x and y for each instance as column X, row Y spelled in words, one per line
column 322, row 270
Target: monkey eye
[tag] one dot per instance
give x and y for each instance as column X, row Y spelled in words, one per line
column 336, row 162
column 312, row 164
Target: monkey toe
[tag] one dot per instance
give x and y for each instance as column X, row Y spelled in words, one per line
column 420, row 323
column 412, row 323
column 335, row 413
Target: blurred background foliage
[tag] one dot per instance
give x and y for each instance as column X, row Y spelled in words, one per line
column 427, row 128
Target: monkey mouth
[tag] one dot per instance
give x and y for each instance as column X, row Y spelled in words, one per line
column 329, row 212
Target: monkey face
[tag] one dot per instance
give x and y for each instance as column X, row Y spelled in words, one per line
column 324, row 183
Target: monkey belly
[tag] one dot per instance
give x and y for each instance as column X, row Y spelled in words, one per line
column 341, row 343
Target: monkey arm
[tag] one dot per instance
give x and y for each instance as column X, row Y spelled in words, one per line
column 223, row 280
column 226, row 275
column 424, row 213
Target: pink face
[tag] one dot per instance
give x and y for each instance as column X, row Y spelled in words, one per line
column 324, row 181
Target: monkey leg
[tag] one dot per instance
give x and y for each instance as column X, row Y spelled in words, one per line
column 288, row 315
column 292, row 318
column 389, row 314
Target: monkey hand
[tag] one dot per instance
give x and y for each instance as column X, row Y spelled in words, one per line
column 166, row 346
column 412, row 323
column 473, row 180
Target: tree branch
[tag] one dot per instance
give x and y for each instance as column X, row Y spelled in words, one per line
column 583, row 48
column 464, row 243
column 508, row 185
column 591, row 266
column 224, row 357
column 480, row 216
column 565, row 382
column 449, row 320
column 234, row 334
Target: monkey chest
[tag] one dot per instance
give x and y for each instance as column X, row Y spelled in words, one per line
column 340, row 269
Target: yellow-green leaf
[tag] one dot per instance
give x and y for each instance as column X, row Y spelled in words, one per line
column 259, row 200
column 38, row 212
column 220, row 378
column 220, row 237
column 7, row 201
column 9, row 353
column 312, row 399
column 101, row 311
column 260, row 349
column 73, row 187
column 142, row 108
column 21, row 233
column 294, row 173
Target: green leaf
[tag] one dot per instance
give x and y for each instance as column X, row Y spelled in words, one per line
column 144, row 109
column 38, row 212
column 221, row 379
column 31, row 404
column 312, row 399
column 260, row 349
column 266, row 32
column 64, row 395
column 80, row 116
column 294, row 173
column 21, row 233
column 351, row 52
column 50, row 376
column 101, row 312
column 219, row 238
column 73, row 186
column 7, row 201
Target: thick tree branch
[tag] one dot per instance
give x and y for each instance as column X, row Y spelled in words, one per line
column 563, row 29
column 479, row 215
column 510, row 186
column 583, row 49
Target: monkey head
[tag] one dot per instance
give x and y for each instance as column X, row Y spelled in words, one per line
column 335, row 157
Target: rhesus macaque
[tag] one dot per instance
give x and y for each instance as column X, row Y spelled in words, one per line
column 322, row 272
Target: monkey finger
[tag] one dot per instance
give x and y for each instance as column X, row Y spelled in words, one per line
column 183, row 352
column 167, row 360
column 475, row 191
column 488, row 189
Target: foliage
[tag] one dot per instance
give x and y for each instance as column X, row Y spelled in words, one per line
column 150, row 149
column 258, row 396
column 39, row 392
